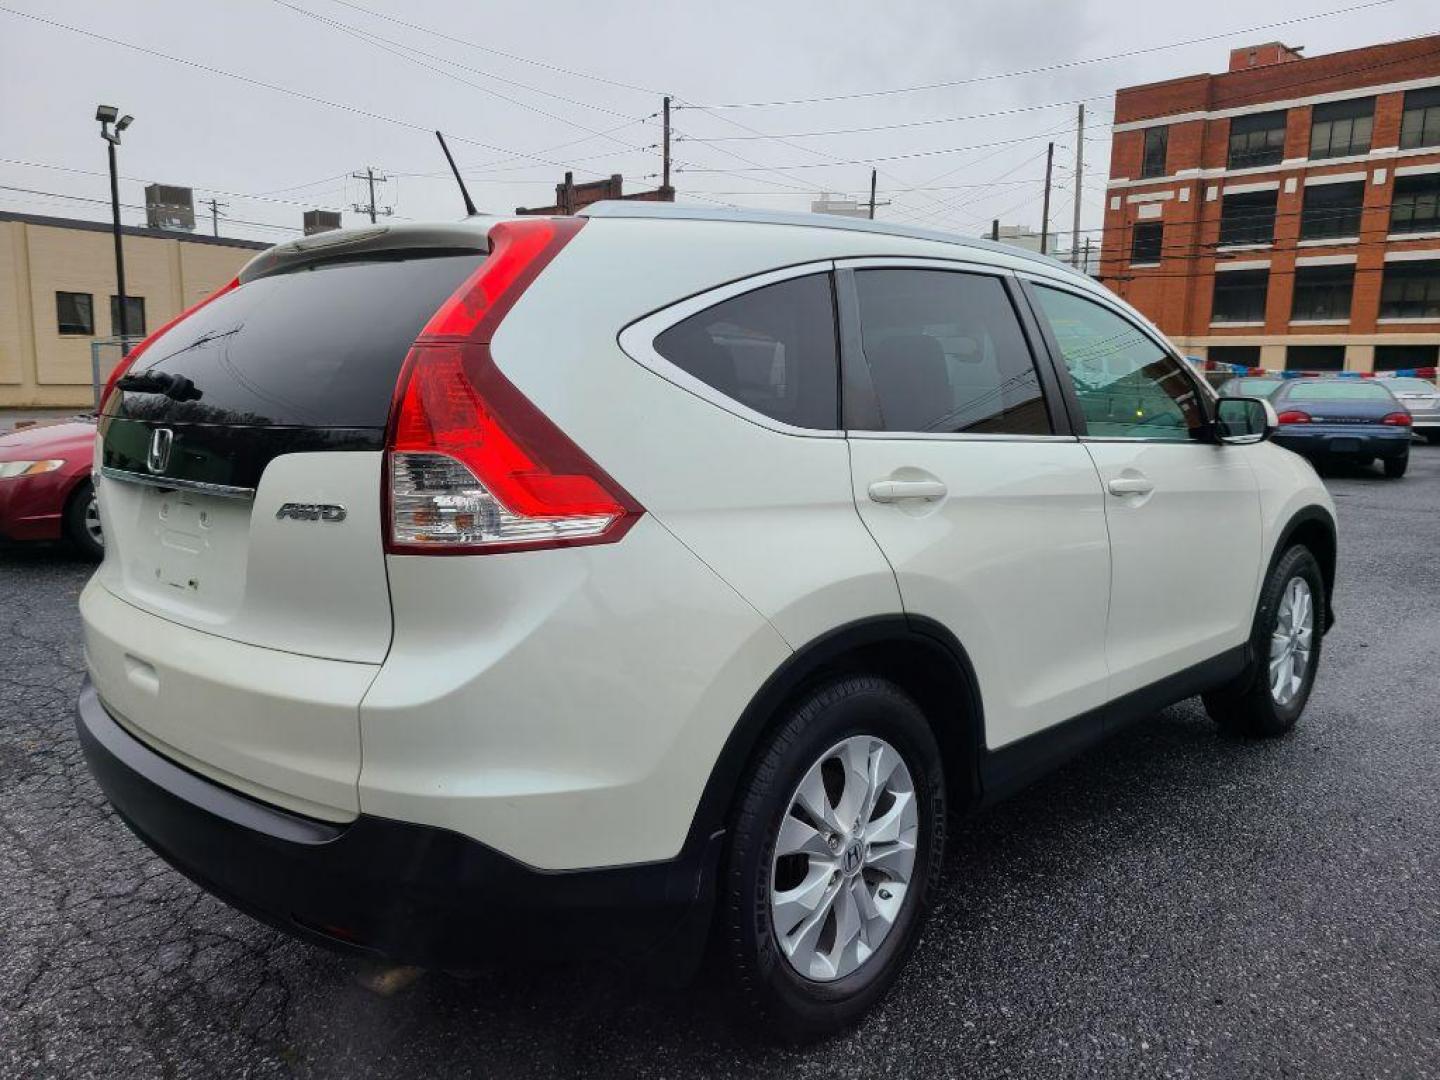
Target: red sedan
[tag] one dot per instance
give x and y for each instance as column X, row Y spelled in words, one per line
column 45, row 489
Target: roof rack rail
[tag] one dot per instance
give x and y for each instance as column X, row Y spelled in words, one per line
column 614, row 208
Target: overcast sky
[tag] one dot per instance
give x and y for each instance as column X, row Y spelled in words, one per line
column 527, row 90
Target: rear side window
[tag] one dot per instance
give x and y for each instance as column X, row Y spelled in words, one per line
column 946, row 354
column 316, row 347
column 771, row 350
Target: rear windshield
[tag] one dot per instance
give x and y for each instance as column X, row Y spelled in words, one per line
column 316, row 347
column 1410, row 386
column 1251, row 387
column 1337, row 391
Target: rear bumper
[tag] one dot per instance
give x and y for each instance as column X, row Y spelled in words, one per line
column 1338, row 440
column 411, row 893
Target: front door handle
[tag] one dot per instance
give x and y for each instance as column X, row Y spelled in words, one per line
column 888, row 491
column 1130, row 485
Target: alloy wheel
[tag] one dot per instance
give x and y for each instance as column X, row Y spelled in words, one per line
column 844, row 858
column 1290, row 643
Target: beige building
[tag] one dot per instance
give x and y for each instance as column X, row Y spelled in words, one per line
column 57, row 297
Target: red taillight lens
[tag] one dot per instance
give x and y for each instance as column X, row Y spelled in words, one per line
column 473, row 465
column 1398, row 419
column 1293, row 416
column 134, row 354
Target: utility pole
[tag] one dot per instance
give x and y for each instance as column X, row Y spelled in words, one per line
column 995, row 230
column 215, row 208
column 872, row 194
column 107, row 115
column 1045, row 210
column 1079, row 170
column 370, row 176
column 665, row 151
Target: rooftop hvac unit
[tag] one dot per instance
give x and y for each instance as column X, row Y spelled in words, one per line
column 169, row 207
column 321, row 221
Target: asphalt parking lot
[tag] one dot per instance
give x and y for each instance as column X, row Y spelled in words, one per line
column 1172, row 904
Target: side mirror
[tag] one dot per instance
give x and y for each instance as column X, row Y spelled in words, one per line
column 1242, row 420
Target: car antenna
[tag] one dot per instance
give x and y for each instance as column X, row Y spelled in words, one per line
column 469, row 202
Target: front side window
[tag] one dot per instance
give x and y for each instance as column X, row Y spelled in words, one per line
column 1126, row 384
column 75, row 312
column 1323, row 292
column 1146, row 242
column 1248, row 217
column 1332, row 211
column 1257, row 139
column 1157, row 141
column 1342, row 128
column 1411, row 290
column 946, row 354
column 772, row 350
column 1420, row 124
column 1240, row 296
column 1416, row 206
column 135, row 316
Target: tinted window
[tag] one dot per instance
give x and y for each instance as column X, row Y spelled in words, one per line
column 75, row 313
column 1337, row 390
column 1156, row 142
column 1332, row 211
column 1257, row 139
column 1411, row 290
column 1420, row 125
column 946, row 354
column 1322, row 292
column 1248, row 217
column 1315, row 358
column 317, row 347
column 1416, row 206
column 1340, row 128
column 134, row 316
column 772, row 350
column 1240, row 296
column 1127, row 385
column 1146, row 242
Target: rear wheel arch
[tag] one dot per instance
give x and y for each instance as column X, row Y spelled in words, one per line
column 918, row 655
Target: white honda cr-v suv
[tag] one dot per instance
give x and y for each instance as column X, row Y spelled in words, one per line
column 542, row 585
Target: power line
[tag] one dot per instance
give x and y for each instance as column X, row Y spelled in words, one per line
column 1059, row 66
column 133, row 206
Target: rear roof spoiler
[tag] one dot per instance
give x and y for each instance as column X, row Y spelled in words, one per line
column 470, row 235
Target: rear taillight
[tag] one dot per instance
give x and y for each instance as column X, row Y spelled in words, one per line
column 1397, row 419
column 472, row 465
column 128, row 361
column 1293, row 416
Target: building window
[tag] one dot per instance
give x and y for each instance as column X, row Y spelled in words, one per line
column 75, row 312
column 1248, row 218
column 1240, row 296
column 1239, row 355
column 1145, row 242
column 1416, row 207
column 1323, row 292
column 1257, row 139
column 1342, row 128
column 1420, row 126
column 1315, row 358
column 1156, row 141
column 1411, row 290
column 134, row 312
column 1332, row 211
column 1400, row 357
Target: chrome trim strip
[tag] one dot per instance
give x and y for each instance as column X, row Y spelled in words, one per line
column 172, row 483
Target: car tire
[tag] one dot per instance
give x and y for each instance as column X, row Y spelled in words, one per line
column 1395, row 466
column 845, row 720
column 1433, row 437
column 1260, row 703
column 82, row 522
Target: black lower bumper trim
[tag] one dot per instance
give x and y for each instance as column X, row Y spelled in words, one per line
column 412, row 893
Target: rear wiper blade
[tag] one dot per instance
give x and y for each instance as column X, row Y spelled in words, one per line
column 176, row 387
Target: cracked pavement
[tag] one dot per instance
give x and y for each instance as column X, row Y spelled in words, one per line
column 1171, row 904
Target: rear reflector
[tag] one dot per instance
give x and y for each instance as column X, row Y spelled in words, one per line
column 472, row 465
column 128, row 361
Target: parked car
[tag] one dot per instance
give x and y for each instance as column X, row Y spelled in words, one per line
column 550, row 585
column 1355, row 420
column 1249, row 386
column 1421, row 398
column 45, row 487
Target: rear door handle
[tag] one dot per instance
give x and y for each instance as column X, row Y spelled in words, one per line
column 1130, row 485
column 888, row 491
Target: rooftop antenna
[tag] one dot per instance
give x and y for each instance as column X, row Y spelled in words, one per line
column 469, row 202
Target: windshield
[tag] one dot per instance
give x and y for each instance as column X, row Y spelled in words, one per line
column 1411, row 386
column 1337, row 390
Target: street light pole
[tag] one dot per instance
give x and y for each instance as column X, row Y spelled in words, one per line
column 107, row 115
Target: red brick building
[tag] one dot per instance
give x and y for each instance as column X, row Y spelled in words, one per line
column 1285, row 213
column 571, row 198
